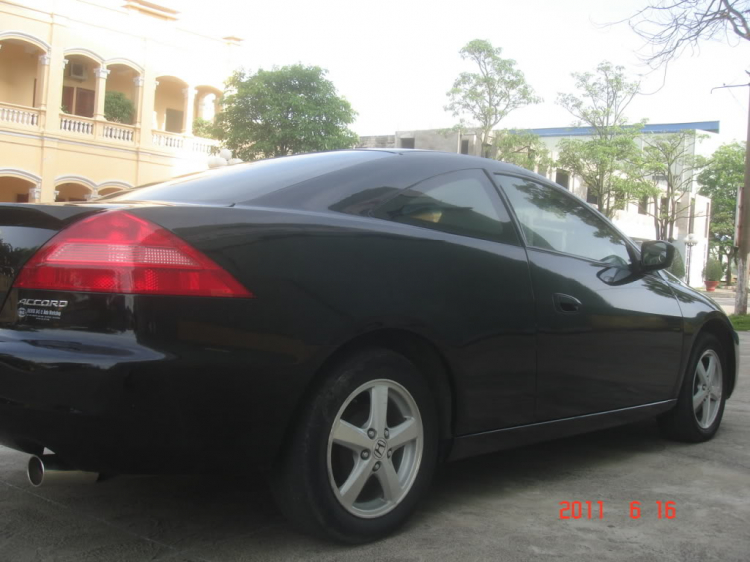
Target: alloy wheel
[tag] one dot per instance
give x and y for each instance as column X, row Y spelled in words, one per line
column 707, row 388
column 375, row 448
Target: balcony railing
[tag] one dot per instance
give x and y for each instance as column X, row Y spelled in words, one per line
column 180, row 142
column 168, row 140
column 76, row 124
column 203, row 146
column 119, row 132
column 19, row 115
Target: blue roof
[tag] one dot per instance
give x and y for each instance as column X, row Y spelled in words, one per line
column 710, row 126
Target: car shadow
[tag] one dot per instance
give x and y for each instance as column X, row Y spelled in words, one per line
column 198, row 517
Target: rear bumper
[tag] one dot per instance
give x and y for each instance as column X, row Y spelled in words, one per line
column 119, row 407
column 95, row 443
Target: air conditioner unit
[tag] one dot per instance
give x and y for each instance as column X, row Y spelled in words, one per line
column 78, row 70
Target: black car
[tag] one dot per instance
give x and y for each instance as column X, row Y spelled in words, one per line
column 343, row 321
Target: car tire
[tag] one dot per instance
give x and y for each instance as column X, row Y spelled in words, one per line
column 700, row 404
column 348, row 472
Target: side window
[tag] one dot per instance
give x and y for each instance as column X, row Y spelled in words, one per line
column 555, row 221
column 464, row 203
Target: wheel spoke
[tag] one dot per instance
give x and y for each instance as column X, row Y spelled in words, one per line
column 716, row 394
column 403, row 433
column 357, row 479
column 711, row 370
column 389, row 481
column 698, row 399
column 378, row 408
column 351, row 437
column 706, row 411
column 701, row 370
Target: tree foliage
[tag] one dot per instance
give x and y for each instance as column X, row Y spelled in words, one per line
column 602, row 98
column 487, row 96
column 665, row 172
column 600, row 103
column 721, row 179
column 204, row 128
column 289, row 110
column 678, row 265
column 118, row 108
column 671, row 26
column 522, row 148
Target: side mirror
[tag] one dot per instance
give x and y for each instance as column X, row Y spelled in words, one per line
column 655, row 255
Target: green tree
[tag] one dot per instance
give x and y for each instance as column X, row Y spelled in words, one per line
column 289, row 110
column 486, row 97
column 678, row 265
column 203, row 128
column 665, row 172
column 522, row 148
column 721, row 178
column 118, row 108
column 600, row 103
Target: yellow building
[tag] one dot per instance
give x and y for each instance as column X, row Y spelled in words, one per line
column 58, row 58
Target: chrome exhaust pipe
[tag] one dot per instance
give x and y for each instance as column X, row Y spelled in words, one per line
column 49, row 469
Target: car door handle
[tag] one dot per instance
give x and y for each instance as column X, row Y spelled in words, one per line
column 567, row 304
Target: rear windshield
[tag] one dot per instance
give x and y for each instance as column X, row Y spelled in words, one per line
column 244, row 182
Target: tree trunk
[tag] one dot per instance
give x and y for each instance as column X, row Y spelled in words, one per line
column 728, row 276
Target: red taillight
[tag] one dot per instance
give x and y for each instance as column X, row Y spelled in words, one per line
column 116, row 252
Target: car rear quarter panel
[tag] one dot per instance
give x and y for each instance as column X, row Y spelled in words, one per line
column 321, row 279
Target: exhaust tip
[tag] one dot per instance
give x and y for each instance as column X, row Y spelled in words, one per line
column 49, row 469
column 35, row 471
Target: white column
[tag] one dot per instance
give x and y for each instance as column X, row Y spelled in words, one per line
column 188, row 110
column 101, row 90
column 42, row 73
column 138, row 82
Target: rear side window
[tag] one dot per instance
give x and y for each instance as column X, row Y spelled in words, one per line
column 463, row 203
column 244, row 182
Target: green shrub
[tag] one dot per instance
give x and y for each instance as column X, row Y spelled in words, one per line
column 713, row 271
column 118, row 108
column 678, row 265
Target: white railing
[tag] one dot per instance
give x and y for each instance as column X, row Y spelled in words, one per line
column 76, row 124
column 204, row 146
column 168, row 140
column 124, row 133
column 19, row 114
column 177, row 141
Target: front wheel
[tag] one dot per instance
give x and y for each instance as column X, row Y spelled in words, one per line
column 700, row 405
column 363, row 452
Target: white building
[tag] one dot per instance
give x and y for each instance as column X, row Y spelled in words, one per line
column 694, row 210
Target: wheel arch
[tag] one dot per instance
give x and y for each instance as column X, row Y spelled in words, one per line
column 425, row 355
column 723, row 333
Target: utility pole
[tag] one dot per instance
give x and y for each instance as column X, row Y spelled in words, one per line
column 743, row 225
column 740, row 299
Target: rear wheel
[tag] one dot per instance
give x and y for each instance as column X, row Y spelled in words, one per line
column 700, row 405
column 364, row 451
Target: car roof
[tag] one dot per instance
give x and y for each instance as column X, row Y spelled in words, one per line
column 314, row 181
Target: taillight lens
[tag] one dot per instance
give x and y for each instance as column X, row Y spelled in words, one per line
column 117, row 252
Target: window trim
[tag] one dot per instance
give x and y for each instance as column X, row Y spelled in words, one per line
column 632, row 249
column 499, row 203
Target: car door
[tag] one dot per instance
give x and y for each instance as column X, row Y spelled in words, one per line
column 474, row 294
column 608, row 338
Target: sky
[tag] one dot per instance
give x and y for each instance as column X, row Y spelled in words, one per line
column 395, row 60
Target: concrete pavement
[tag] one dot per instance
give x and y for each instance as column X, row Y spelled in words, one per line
column 504, row 506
